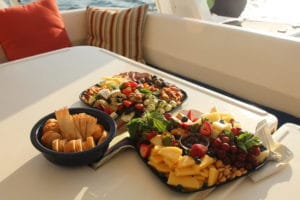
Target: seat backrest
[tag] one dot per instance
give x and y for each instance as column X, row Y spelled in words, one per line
column 255, row 66
column 3, row 4
column 184, row 8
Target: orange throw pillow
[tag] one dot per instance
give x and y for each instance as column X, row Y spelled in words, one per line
column 118, row 30
column 32, row 29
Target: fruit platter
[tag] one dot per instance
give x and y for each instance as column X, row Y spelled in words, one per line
column 192, row 151
column 128, row 95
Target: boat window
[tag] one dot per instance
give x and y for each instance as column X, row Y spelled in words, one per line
column 269, row 15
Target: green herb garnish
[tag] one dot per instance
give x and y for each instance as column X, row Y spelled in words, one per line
column 150, row 121
column 247, row 140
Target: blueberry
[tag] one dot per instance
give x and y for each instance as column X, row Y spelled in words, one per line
column 184, row 119
column 197, row 160
column 179, row 187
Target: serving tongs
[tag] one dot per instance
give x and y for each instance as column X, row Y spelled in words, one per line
column 122, row 145
column 267, row 140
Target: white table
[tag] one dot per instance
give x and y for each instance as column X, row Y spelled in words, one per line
column 38, row 85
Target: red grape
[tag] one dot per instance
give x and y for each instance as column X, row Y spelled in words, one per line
column 255, row 150
column 233, row 149
column 225, row 146
column 225, row 139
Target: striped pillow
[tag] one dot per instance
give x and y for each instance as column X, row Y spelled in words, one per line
column 118, row 30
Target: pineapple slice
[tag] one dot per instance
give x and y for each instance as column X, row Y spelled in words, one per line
column 212, row 176
column 188, row 182
column 206, row 161
column 170, row 163
column 204, row 172
column 185, row 161
column 227, row 117
column 155, row 158
column 161, row 167
column 187, row 171
column 171, row 153
column 212, row 117
column 157, row 140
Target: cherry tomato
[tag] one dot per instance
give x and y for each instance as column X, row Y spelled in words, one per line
column 139, row 106
column 132, row 84
column 127, row 91
column 127, row 103
column 120, row 107
column 185, row 125
column 108, row 110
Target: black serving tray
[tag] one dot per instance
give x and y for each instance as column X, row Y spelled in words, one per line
column 128, row 143
column 129, row 109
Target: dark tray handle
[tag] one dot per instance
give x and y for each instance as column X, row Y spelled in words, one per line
column 112, row 151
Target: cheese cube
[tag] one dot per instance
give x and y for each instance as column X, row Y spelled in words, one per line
column 212, row 176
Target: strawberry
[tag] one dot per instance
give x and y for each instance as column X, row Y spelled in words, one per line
column 145, row 150
column 190, row 115
column 198, row 150
column 186, row 125
column 236, row 131
column 151, row 134
column 205, row 129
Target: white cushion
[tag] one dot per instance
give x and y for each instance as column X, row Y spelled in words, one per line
column 258, row 67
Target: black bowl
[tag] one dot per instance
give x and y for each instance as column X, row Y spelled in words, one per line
column 76, row 158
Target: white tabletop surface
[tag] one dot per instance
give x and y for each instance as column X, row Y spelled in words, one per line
column 36, row 86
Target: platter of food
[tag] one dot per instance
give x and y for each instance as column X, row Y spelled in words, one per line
column 191, row 151
column 128, row 95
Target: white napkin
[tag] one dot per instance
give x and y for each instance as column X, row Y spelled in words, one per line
column 279, row 154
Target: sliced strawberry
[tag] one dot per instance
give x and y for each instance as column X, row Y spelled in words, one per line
column 195, row 119
column 205, row 129
column 151, row 134
column 236, row 131
column 145, row 150
column 186, row 125
column 190, row 115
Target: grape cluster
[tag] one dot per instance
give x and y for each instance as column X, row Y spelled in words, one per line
column 225, row 148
